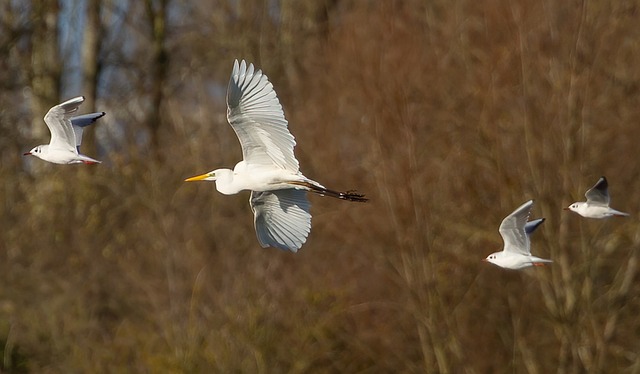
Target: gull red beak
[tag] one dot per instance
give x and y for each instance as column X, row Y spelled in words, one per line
column 26, row 154
column 566, row 208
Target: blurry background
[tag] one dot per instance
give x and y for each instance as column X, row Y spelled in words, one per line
column 447, row 114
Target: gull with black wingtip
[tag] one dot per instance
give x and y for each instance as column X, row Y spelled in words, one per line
column 66, row 134
column 597, row 204
column 515, row 231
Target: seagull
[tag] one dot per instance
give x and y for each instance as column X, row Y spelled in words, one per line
column 597, row 204
column 269, row 169
column 66, row 134
column 515, row 231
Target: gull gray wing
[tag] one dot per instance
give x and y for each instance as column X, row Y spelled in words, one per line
column 512, row 230
column 599, row 193
column 531, row 226
column 79, row 122
column 58, row 120
column 281, row 218
column 256, row 116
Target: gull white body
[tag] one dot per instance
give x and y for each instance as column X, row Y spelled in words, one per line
column 595, row 211
column 515, row 232
column 269, row 168
column 597, row 204
column 66, row 134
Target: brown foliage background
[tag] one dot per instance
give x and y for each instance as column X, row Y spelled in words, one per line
column 447, row 114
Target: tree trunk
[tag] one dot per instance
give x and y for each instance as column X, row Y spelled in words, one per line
column 46, row 68
column 160, row 64
column 91, row 68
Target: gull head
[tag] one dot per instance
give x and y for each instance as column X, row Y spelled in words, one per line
column 573, row 207
column 492, row 258
column 37, row 151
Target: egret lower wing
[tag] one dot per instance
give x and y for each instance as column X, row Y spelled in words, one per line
column 282, row 218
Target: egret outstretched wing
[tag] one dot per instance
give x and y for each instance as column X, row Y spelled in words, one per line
column 58, row 120
column 254, row 112
column 282, row 218
column 513, row 232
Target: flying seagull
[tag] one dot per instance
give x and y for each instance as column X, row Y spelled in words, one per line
column 515, row 231
column 66, row 134
column 597, row 204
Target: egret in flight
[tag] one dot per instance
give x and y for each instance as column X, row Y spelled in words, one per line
column 269, row 168
column 597, row 204
column 515, row 231
column 66, row 134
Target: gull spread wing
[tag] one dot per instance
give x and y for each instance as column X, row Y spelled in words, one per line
column 598, row 194
column 254, row 112
column 58, row 120
column 282, row 218
column 531, row 226
column 512, row 230
column 79, row 122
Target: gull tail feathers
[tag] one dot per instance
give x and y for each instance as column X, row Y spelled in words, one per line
column 618, row 213
column 537, row 261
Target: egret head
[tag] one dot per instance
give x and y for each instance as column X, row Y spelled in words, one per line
column 224, row 180
column 210, row 176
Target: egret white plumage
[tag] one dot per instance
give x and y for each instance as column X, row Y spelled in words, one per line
column 66, row 134
column 515, row 231
column 269, row 168
column 597, row 204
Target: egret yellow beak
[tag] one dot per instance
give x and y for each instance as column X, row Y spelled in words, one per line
column 197, row 178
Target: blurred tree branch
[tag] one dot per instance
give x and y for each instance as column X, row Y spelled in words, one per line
column 91, row 65
column 156, row 12
column 44, row 59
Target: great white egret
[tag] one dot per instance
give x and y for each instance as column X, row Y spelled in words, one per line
column 515, row 231
column 269, row 168
column 66, row 134
column 597, row 204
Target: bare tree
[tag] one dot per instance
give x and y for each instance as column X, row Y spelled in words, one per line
column 156, row 12
column 91, row 64
column 46, row 67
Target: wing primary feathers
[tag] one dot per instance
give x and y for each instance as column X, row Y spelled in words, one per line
column 86, row 119
column 281, row 218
